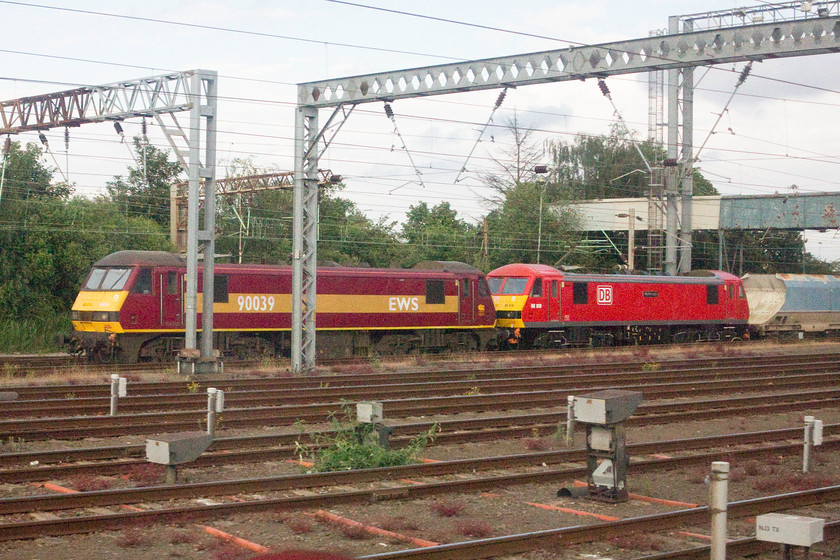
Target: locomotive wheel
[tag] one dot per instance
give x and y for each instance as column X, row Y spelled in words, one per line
column 105, row 355
column 542, row 341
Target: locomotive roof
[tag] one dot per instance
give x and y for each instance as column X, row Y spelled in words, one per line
column 140, row 258
column 164, row 258
column 698, row 277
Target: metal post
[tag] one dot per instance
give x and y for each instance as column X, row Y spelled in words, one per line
column 115, row 393
column 305, row 240
column 807, row 448
column 718, row 502
column 203, row 103
column 687, row 158
column 211, row 411
column 539, row 227
column 671, row 171
column 631, row 240
column 208, row 233
column 570, row 419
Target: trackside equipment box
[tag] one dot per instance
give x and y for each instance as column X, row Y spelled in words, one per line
column 174, row 449
column 606, row 407
column 789, row 529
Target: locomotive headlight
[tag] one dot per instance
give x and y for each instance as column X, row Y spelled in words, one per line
column 107, row 316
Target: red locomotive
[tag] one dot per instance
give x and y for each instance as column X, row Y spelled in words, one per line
column 131, row 308
column 540, row 307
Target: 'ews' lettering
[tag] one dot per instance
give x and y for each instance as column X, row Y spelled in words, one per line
column 403, row 304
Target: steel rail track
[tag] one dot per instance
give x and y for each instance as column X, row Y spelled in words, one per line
column 90, row 523
column 144, row 423
column 461, row 466
column 34, row 363
column 823, row 371
column 45, row 392
column 229, row 450
column 526, row 542
column 734, row 547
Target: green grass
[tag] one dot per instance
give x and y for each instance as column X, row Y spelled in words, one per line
column 33, row 336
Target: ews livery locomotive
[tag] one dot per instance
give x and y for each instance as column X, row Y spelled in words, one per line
column 540, row 307
column 131, row 308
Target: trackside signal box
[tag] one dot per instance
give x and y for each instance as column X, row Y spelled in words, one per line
column 604, row 413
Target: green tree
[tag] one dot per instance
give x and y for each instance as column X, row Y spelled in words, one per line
column 530, row 219
column 438, row 234
column 259, row 227
column 48, row 242
column 145, row 191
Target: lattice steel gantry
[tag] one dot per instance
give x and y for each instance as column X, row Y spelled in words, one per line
column 707, row 39
column 194, row 91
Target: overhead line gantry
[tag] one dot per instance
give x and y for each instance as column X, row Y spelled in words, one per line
column 706, row 39
column 192, row 91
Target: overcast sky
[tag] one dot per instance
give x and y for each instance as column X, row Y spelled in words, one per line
column 775, row 134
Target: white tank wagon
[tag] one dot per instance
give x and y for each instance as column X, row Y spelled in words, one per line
column 790, row 304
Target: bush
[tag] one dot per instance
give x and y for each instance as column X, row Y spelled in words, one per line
column 350, row 448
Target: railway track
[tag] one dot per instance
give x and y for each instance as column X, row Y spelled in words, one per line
column 334, row 491
column 33, row 429
column 239, row 450
column 240, row 396
column 686, row 391
column 772, row 442
column 284, row 380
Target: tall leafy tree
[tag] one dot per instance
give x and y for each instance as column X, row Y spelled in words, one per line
column 438, row 234
column 48, row 241
column 145, row 190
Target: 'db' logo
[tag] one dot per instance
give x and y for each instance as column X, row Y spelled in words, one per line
column 604, row 295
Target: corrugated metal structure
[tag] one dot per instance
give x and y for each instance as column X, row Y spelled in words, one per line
column 792, row 303
column 819, row 211
column 802, row 211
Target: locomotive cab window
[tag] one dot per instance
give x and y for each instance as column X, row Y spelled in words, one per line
column 465, row 287
column 483, row 290
column 143, row 282
column 731, row 291
column 107, row 279
column 537, row 290
column 712, row 295
column 554, row 288
column 435, row 293
column 514, row 286
column 495, row 285
column 580, row 293
column 741, row 294
column 220, row 288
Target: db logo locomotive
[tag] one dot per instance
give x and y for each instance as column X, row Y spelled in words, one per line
column 604, row 295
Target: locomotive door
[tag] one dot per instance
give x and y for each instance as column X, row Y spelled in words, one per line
column 553, row 300
column 729, row 299
column 171, row 306
column 466, row 307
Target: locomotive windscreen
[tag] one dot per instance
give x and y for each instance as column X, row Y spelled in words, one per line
column 107, row 279
column 514, row 286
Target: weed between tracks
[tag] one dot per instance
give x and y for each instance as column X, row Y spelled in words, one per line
column 351, row 446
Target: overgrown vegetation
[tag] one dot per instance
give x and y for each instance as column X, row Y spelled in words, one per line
column 350, row 446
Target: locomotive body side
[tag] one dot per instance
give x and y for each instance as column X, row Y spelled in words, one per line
column 552, row 308
column 141, row 316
